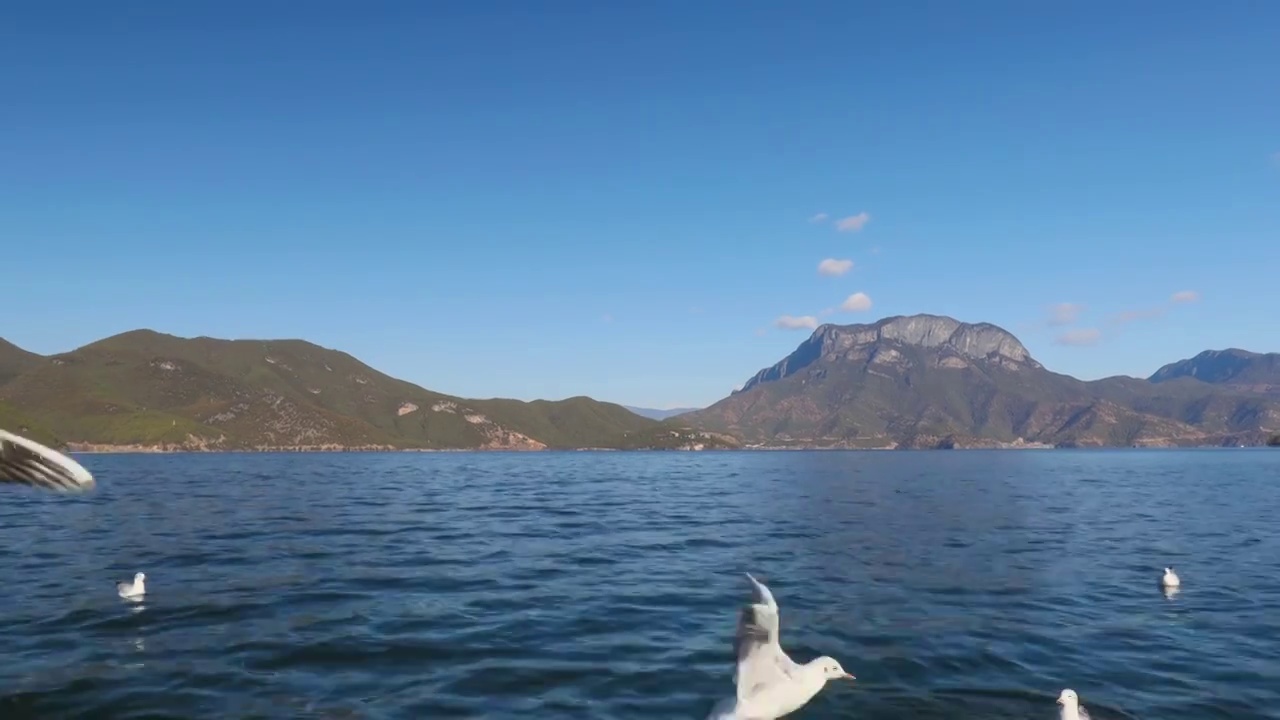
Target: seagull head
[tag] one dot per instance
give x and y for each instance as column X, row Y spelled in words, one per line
column 139, row 577
column 831, row 669
column 1068, row 698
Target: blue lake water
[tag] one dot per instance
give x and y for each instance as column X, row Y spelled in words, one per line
column 606, row 585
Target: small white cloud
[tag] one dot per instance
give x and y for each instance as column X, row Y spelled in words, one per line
column 853, row 223
column 1128, row 316
column 1184, row 296
column 1063, row 314
column 857, row 302
column 1081, row 337
column 834, row 268
column 820, row 217
column 789, row 322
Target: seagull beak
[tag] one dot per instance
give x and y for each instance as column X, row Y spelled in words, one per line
column 847, row 676
column 1059, row 701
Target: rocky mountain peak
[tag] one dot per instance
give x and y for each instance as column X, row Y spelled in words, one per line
column 963, row 342
column 972, row 340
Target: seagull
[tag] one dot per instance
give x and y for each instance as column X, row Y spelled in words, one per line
column 134, row 590
column 27, row 462
column 1071, row 709
column 1170, row 579
column 770, row 684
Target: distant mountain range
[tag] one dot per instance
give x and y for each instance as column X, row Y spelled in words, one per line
column 920, row 381
column 1232, row 368
column 144, row 390
column 933, row 381
column 656, row 414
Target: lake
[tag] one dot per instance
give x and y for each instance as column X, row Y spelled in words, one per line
column 967, row 584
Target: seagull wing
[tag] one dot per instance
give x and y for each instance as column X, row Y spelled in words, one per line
column 1084, row 714
column 27, row 462
column 761, row 661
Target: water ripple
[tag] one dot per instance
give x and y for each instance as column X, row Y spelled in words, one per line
column 605, row 585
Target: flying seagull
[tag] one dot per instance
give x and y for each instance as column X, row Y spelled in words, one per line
column 770, row 684
column 27, row 462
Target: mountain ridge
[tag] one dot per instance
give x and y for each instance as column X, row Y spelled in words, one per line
column 1234, row 367
column 658, row 413
column 900, row 382
column 971, row 340
column 933, row 381
column 143, row 389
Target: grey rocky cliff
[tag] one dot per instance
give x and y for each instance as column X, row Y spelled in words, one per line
column 955, row 344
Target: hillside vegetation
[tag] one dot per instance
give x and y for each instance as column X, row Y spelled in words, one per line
column 144, row 388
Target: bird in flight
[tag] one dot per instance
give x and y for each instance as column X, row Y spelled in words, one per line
column 26, row 462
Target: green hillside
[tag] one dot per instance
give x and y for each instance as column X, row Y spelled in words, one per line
column 148, row 388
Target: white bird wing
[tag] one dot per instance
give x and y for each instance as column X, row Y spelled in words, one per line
column 761, row 661
column 27, row 462
column 1084, row 714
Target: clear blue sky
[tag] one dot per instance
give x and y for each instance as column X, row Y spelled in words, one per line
column 543, row 199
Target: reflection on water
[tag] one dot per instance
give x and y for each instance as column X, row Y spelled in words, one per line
column 606, row 585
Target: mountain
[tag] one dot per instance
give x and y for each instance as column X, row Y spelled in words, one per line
column 933, row 381
column 1240, row 369
column 656, row 414
column 145, row 389
column 14, row 361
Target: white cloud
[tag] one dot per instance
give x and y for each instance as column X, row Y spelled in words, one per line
column 1083, row 336
column 857, row 302
column 834, row 268
column 1181, row 297
column 788, row 322
column 820, row 217
column 853, row 223
column 1064, row 314
column 1128, row 316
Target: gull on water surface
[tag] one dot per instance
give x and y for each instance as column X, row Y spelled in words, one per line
column 770, row 684
column 1071, row 709
column 1170, row 579
column 133, row 590
column 27, row 462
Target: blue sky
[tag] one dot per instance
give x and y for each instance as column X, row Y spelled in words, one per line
column 618, row 199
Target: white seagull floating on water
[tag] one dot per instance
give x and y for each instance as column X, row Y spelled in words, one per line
column 1071, row 709
column 1170, row 579
column 27, row 462
column 133, row 590
column 770, row 684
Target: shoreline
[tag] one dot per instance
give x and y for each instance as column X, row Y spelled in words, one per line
column 139, row 450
